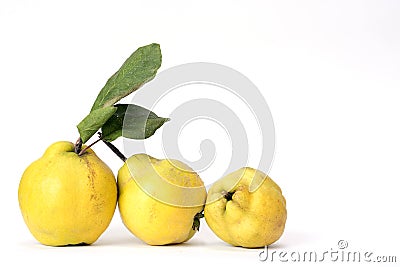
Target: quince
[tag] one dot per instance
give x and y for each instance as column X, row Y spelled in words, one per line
column 160, row 201
column 246, row 208
column 67, row 199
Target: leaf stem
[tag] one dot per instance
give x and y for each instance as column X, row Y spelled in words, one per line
column 115, row 150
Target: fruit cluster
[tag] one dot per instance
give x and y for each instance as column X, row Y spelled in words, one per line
column 69, row 195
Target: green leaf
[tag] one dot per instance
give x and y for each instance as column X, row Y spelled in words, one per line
column 131, row 121
column 94, row 121
column 196, row 221
column 138, row 69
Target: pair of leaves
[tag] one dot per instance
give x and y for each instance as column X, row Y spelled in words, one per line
column 140, row 123
column 138, row 69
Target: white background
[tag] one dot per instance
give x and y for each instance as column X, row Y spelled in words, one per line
column 329, row 71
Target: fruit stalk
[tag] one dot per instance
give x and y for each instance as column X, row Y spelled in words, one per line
column 89, row 146
column 115, row 150
column 78, row 146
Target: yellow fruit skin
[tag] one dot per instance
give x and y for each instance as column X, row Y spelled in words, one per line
column 153, row 220
column 255, row 217
column 66, row 199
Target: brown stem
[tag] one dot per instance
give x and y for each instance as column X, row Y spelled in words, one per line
column 78, row 146
column 115, row 150
column 86, row 148
column 227, row 195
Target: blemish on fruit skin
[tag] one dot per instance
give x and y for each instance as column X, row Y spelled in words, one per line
column 91, row 174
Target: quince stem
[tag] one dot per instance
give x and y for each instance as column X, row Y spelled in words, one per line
column 115, row 150
column 78, row 146
column 86, row 148
column 227, row 195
